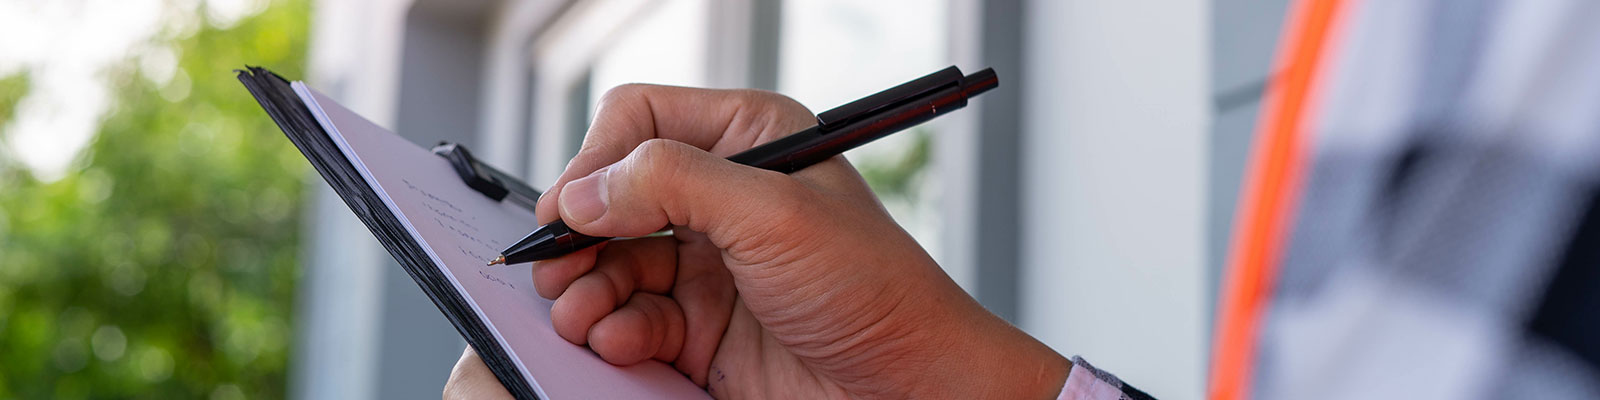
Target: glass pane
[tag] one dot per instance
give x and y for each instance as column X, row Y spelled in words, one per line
column 834, row 51
column 666, row 45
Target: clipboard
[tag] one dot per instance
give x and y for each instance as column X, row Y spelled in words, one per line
column 485, row 179
column 431, row 214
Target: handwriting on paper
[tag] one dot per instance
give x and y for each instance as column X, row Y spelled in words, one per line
column 468, row 243
column 495, row 279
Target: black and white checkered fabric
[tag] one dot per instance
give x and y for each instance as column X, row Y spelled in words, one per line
column 1446, row 243
column 1447, row 240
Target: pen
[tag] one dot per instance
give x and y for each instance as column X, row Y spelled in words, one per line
column 837, row 130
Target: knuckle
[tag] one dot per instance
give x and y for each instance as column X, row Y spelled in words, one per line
column 771, row 113
column 624, row 94
column 657, row 161
column 627, row 104
column 596, row 142
column 655, row 150
column 772, row 101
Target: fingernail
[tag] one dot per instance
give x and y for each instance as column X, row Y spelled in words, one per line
column 584, row 200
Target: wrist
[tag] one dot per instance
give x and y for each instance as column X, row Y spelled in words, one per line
column 983, row 356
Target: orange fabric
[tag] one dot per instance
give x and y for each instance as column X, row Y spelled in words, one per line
column 1270, row 192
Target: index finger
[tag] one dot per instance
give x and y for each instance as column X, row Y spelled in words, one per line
column 723, row 122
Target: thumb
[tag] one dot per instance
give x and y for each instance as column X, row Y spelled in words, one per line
column 664, row 182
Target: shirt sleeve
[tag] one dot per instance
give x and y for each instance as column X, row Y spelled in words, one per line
column 1085, row 382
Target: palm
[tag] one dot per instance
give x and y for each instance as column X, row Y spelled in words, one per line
column 773, row 343
column 764, row 366
column 746, row 360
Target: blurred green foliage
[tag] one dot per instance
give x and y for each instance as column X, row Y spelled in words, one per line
column 899, row 175
column 11, row 90
column 164, row 264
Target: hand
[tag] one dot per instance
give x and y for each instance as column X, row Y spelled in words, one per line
column 472, row 380
column 772, row 285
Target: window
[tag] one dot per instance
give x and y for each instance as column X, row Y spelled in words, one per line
column 821, row 52
column 835, row 51
column 599, row 45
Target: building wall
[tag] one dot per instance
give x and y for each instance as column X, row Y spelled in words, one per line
column 1114, row 150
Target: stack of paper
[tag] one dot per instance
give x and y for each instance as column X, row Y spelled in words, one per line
column 441, row 231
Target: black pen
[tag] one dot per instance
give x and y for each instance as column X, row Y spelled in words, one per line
column 837, row 130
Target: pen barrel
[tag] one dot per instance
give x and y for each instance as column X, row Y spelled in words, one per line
column 805, row 148
column 552, row 240
column 838, row 130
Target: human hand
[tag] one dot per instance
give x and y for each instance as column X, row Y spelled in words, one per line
column 472, row 380
column 772, row 285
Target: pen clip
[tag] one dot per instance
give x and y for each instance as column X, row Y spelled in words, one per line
column 859, row 109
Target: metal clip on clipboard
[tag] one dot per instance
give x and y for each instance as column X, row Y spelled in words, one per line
column 498, row 185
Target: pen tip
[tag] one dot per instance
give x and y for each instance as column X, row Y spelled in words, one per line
column 497, row 261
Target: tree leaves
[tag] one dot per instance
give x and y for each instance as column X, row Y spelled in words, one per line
column 164, row 265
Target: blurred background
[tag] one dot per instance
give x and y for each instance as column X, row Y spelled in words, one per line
column 160, row 238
